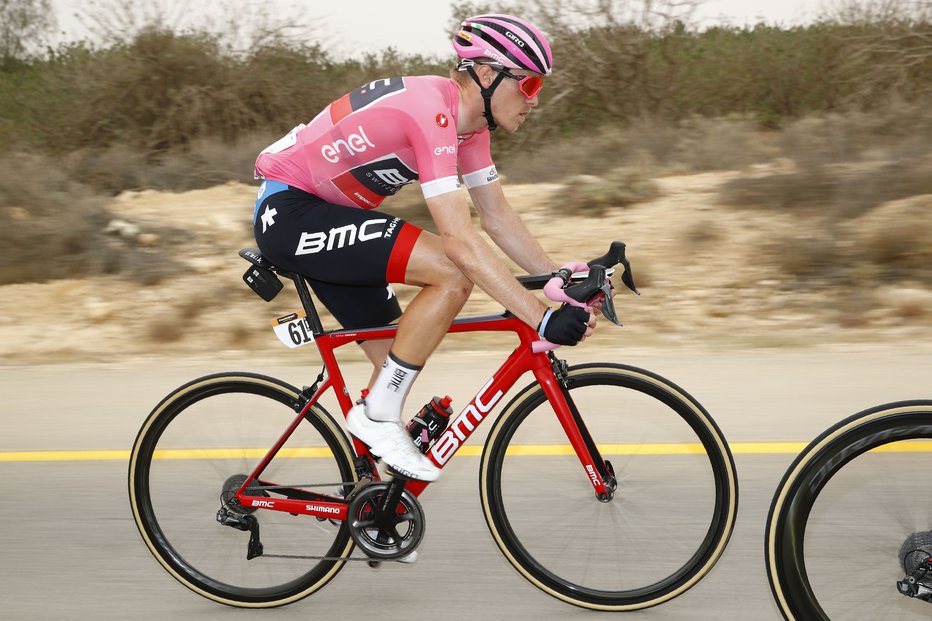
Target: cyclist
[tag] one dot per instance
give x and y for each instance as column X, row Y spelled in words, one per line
column 317, row 213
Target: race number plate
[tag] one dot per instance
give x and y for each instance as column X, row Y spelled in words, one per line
column 293, row 330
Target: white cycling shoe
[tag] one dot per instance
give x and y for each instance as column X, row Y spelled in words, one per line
column 391, row 442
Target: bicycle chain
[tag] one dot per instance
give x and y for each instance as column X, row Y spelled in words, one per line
column 356, row 485
column 331, row 558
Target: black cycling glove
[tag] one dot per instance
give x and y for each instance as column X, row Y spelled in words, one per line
column 564, row 326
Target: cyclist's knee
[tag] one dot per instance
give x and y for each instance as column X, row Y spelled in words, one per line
column 448, row 280
column 451, row 277
column 430, row 266
column 457, row 287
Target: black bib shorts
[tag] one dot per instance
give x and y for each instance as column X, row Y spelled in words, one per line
column 349, row 255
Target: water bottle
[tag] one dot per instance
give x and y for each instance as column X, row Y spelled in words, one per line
column 430, row 422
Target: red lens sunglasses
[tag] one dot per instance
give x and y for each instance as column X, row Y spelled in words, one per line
column 530, row 85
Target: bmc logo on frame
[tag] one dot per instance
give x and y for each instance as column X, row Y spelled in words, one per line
column 462, row 427
column 312, row 243
column 354, row 143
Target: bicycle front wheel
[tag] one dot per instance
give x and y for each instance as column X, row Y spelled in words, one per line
column 196, row 449
column 843, row 512
column 672, row 512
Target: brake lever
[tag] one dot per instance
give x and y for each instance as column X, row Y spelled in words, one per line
column 615, row 256
column 585, row 293
column 594, row 289
column 627, row 277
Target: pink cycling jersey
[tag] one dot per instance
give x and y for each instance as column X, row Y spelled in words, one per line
column 369, row 143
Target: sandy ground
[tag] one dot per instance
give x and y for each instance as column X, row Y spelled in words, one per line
column 705, row 282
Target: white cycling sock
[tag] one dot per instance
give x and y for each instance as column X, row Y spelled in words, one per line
column 388, row 394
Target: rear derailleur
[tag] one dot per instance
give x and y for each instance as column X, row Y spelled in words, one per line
column 918, row 583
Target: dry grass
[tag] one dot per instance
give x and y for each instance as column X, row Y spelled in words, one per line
column 204, row 163
column 829, row 171
column 50, row 226
column 703, row 234
column 901, row 246
column 53, row 227
column 845, row 164
column 644, row 144
column 166, row 330
column 592, row 196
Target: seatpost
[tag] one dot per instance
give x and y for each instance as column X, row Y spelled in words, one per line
column 308, row 303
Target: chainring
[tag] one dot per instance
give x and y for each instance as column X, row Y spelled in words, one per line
column 400, row 539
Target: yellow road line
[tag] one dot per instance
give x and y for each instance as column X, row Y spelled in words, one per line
column 534, row 450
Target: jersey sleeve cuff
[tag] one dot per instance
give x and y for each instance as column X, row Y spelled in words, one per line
column 440, row 186
column 483, row 176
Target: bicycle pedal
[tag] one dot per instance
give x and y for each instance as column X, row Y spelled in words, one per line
column 374, row 564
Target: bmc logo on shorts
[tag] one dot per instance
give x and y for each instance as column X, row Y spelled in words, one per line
column 312, row 243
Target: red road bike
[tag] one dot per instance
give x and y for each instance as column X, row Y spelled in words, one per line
column 605, row 485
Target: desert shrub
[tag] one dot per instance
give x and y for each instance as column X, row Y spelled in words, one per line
column 561, row 158
column 808, row 257
column 896, row 238
column 174, row 111
column 205, row 163
column 844, row 163
column 694, row 144
column 166, row 330
column 727, row 143
column 888, row 243
column 52, row 227
column 159, row 89
column 841, row 191
column 592, row 196
column 901, row 246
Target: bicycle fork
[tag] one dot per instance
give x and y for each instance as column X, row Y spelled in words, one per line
column 599, row 471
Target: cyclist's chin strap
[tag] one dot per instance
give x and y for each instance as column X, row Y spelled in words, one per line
column 487, row 94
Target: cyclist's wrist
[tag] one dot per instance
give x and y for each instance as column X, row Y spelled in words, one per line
column 548, row 313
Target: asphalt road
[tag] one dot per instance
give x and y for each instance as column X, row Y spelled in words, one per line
column 70, row 549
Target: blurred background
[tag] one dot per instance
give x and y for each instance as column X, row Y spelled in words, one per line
column 769, row 166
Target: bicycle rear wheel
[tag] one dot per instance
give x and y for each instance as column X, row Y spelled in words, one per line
column 842, row 513
column 671, row 515
column 196, row 448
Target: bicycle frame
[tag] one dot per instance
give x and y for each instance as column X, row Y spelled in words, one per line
column 544, row 367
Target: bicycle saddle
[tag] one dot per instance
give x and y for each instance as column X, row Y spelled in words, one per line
column 255, row 257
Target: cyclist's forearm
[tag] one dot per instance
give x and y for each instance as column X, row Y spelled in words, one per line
column 480, row 264
column 510, row 233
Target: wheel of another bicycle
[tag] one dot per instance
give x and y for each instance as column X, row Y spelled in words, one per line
column 841, row 515
column 673, row 510
column 196, row 446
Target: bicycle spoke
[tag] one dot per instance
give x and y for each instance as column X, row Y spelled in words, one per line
column 630, row 551
column 202, row 449
column 860, row 521
column 844, row 512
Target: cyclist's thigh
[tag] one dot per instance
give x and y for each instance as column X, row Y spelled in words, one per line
column 429, row 264
column 332, row 243
column 356, row 306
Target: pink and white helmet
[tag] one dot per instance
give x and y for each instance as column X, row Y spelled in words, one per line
column 514, row 42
